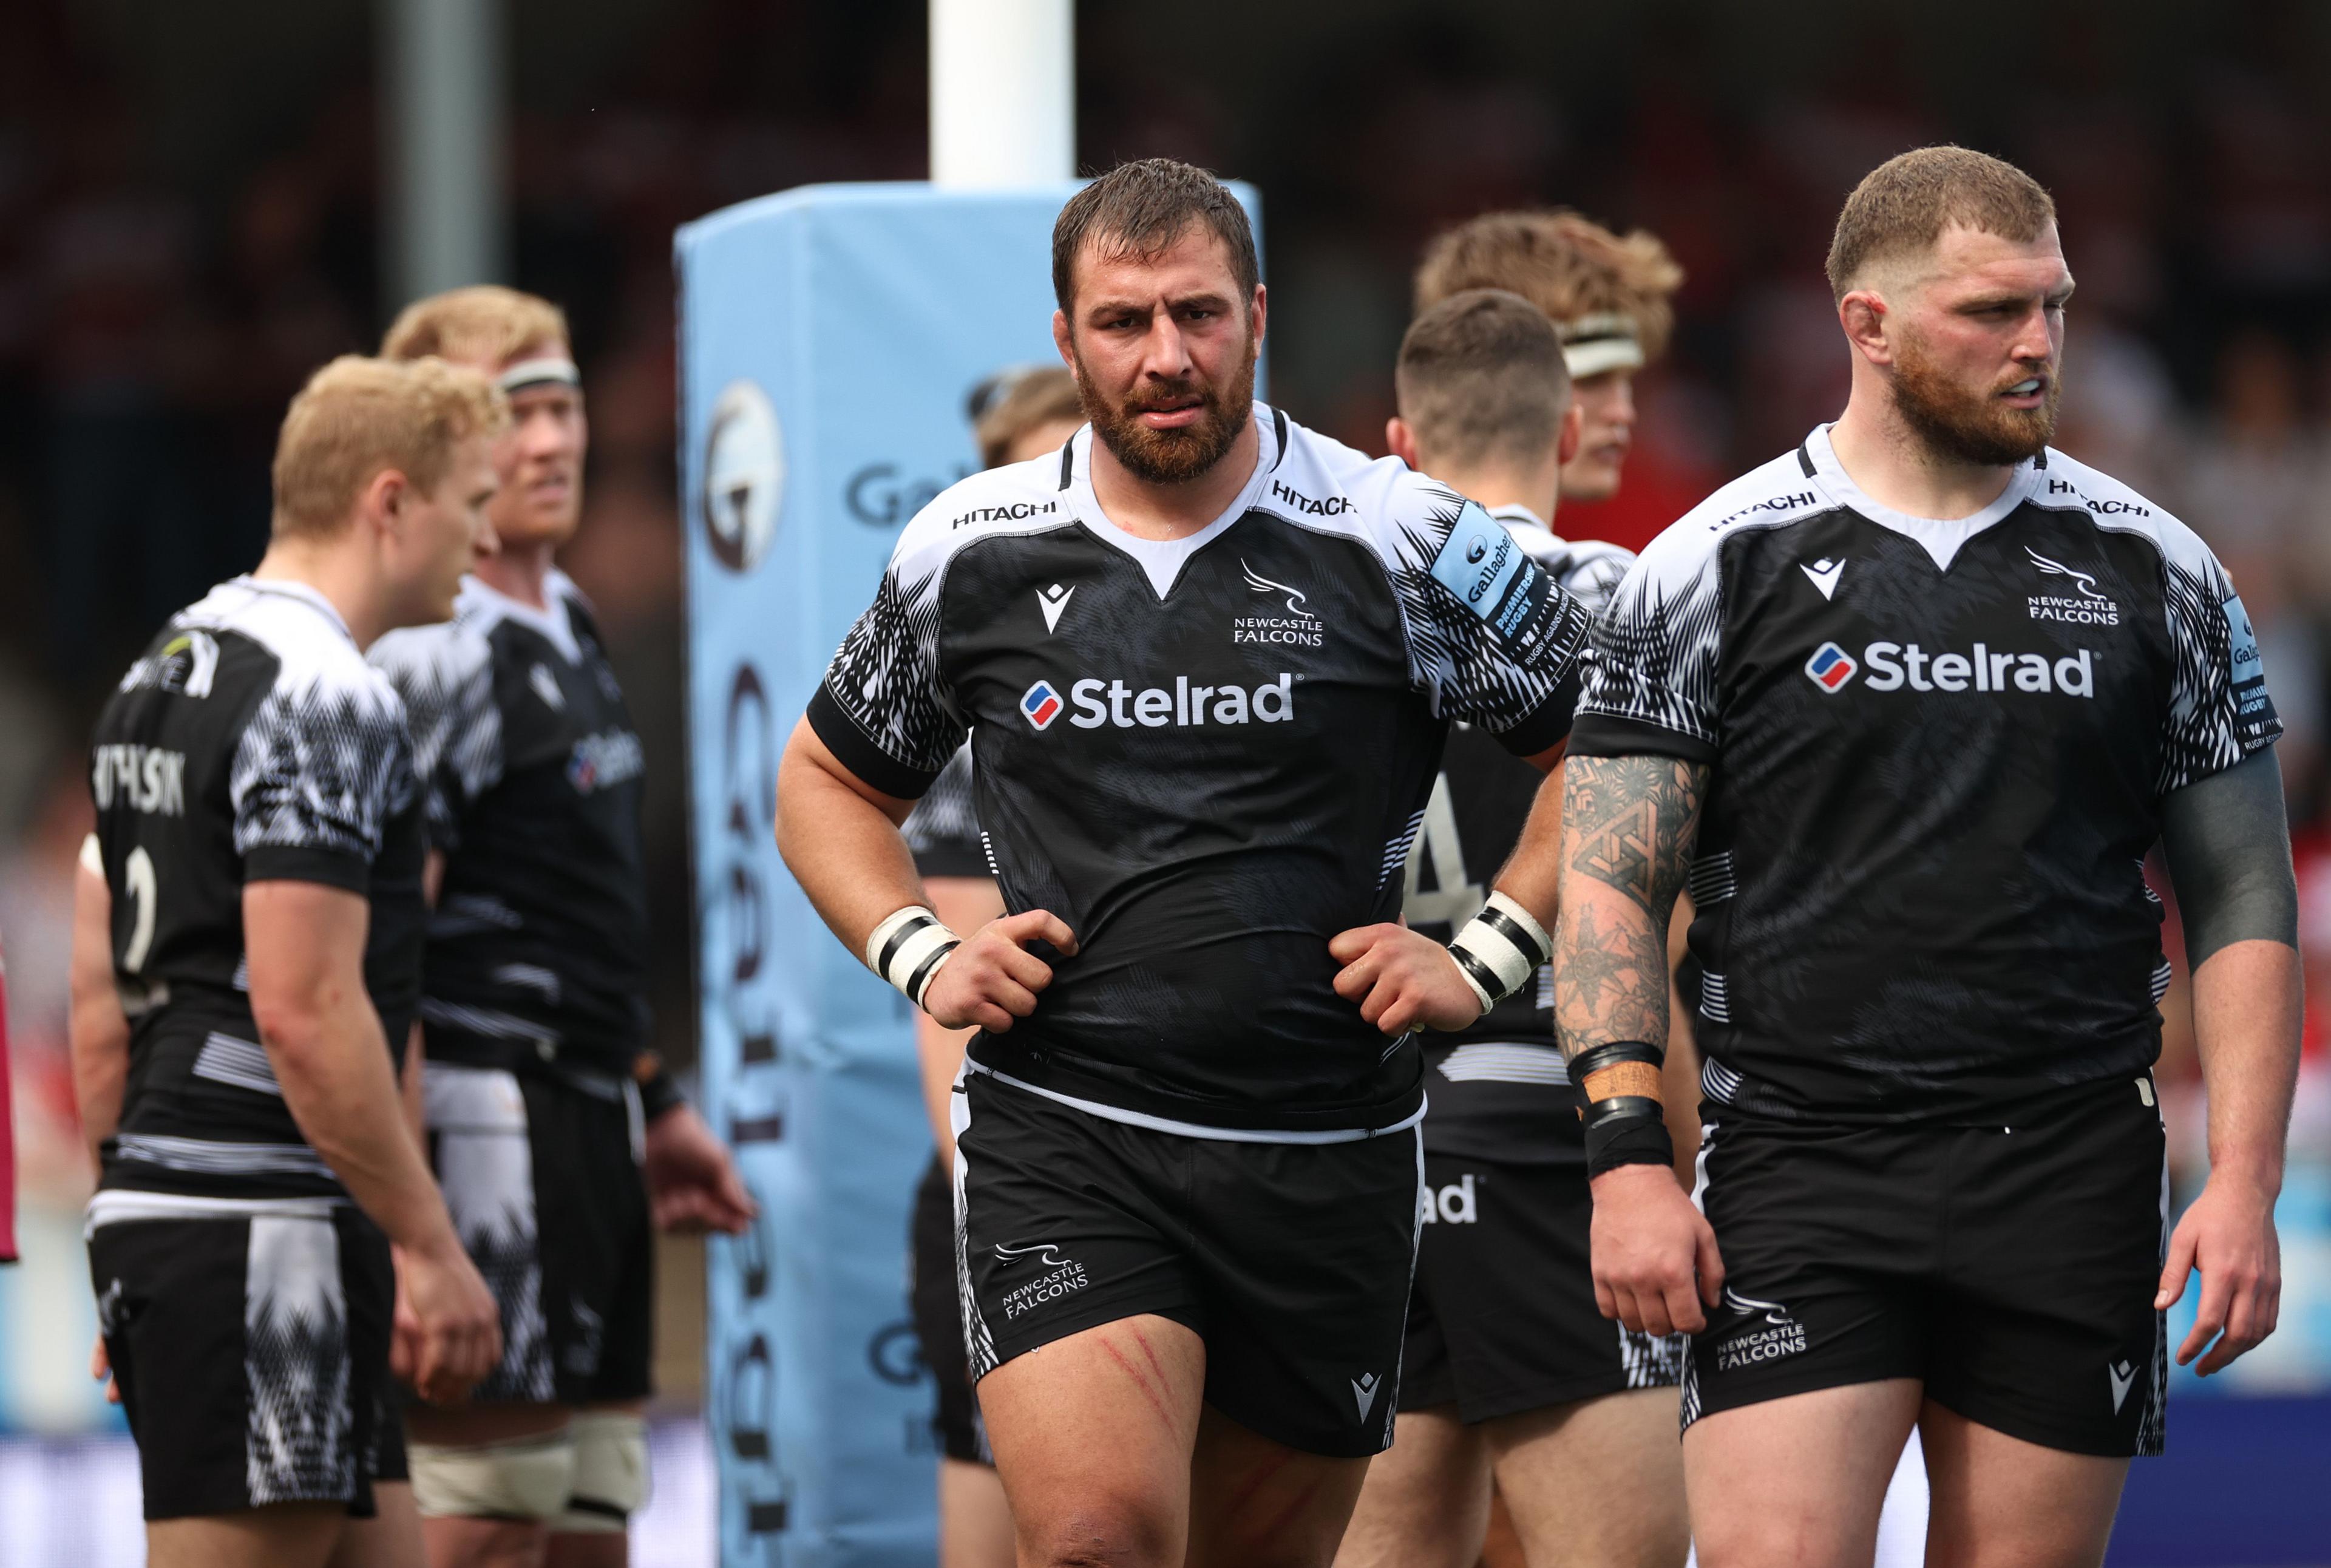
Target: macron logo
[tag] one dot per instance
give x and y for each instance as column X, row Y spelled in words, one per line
column 1823, row 575
column 1052, row 601
column 1363, row 1392
column 1830, row 667
column 2124, row 1377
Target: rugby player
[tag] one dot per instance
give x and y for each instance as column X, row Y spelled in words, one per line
column 1207, row 657
column 1611, row 296
column 1608, row 295
column 1907, row 708
column 1509, row 1374
column 1016, row 415
column 559, row 1139
column 246, row 962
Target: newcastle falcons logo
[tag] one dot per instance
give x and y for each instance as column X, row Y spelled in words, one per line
column 2085, row 582
column 1262, row 585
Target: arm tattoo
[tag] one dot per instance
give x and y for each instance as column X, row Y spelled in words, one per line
column 1627, row 829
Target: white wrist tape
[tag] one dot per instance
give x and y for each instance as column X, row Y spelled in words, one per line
column 1500, row 949
column 908, row 949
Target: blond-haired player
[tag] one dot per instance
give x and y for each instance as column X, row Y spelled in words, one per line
column 559, row 1141
column 1608, row 294
column 246, row 959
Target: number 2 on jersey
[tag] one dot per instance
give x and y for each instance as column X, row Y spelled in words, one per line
column 137, row 882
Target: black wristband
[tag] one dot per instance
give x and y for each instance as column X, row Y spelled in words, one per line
column 1594, row 1058
column 1620, row 1132
column 659, row 1091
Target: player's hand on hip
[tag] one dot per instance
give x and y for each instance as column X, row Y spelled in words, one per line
column 991, row 978
column 454, row 1337
column 2227, row 1234
column 1402, row 979
column 692, row 1184
column 1655, row 1260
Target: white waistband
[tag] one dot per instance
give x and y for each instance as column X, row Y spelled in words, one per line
column 1196, row 1129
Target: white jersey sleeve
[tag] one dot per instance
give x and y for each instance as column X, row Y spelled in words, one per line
column 2220, row 711
column 321, row 765
column 445, row 676
column 1650, row 677
column 1493, row 639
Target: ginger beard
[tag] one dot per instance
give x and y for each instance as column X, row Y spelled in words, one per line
column 1969, row 426
column 1167, row 457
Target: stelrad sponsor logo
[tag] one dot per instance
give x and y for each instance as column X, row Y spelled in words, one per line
column 1830, row 667
column 1040, row 705
column 1892, row 666
column 1114, row 705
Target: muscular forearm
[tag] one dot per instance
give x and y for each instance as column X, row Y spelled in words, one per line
column 100, row 1067
column 1627, row 827
column 332, row 1064
column 96, row 1030
column 842, row 842
column 2247, row 997
column 1531, row 875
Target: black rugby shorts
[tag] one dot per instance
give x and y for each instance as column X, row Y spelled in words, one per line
column 1503, row 1317
column 937, row 1309
column 542, row 1177
column 2010, row 1266
column 1292, row 1261
column 250, row 1348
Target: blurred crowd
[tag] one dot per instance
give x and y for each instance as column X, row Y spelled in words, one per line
column 163, row 293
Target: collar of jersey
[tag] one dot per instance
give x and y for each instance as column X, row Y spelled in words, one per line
column 553, row 623
column 311, row 597
column 1940, row 538
column 1162, row 560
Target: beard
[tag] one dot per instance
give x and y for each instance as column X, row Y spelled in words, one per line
column 1971, row 427
column 1168, row 457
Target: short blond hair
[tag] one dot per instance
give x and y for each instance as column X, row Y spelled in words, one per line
column 357, row 416
column 1566, row 264
column 1902, row 206
column 1481, row 377
column 484, row 324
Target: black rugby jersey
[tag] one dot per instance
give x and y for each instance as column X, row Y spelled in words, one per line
column 1207, row 755
column 1499, row 1089
column 532, row 779
column 942, row 831
column 1937, row 752
column 250, row 743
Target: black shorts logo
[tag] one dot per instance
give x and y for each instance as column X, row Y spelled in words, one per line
column 1768, row 1332
column 1062, row 1276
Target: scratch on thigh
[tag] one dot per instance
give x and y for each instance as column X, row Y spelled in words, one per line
column 1156, row 1399
column 1254, row 1482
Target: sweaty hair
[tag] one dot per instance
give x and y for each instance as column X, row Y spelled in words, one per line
column 1567, row 265
column 357, row 416
column 1140, row 210
column 1008, row 406
column 1481, row 376
column 485, row 324
column 1902, row 206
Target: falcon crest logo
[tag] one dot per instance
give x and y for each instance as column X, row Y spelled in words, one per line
column 1262, row 585
column 2084, row 605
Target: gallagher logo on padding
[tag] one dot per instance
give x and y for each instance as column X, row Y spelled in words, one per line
column 1041, row 705
column 1830, row 667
